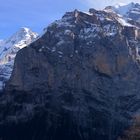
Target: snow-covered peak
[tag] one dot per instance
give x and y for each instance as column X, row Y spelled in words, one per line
column 129, row 13
column 121, row 8
column 22, row 37
column 9, row 48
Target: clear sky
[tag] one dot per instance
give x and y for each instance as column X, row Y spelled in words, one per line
column 37, row 14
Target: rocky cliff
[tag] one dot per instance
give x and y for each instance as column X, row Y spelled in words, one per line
column 79, row 81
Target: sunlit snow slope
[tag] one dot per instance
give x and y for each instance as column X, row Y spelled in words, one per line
column 8, row 50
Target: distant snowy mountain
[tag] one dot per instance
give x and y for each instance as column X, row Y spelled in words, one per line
column 122, row 9
column 129, row 12
column 9, row 49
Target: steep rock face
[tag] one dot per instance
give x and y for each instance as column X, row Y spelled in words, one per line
column 9, row 49
column 79, row 81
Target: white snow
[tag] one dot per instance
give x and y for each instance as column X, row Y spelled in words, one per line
column 63, row 23
column 101, row 17
column 123, row 9
column 135, row 12
column 9, row 49
column 123, row 22
column 40, row 50
column 110, row 30
column 67, row 32
column 90, row 14
column 76, row 13
column 53, row 49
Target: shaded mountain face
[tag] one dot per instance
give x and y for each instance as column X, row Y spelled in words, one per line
column 78, row 81
column 8, row 50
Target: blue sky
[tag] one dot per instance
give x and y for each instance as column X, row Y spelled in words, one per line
column 37, row 14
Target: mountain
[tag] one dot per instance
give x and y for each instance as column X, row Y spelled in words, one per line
column 8, row 50
column 130, row 12
column 124, row 9
column 78, row 81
